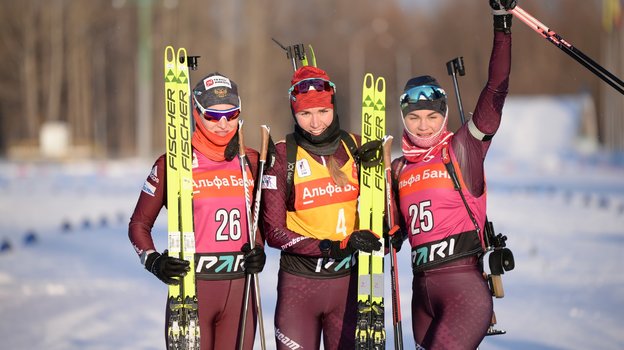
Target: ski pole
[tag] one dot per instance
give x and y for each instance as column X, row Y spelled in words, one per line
column 455, row 66
column 566, row 47
column 243, row 160
column 394, row 270
column 293, row 52
column 297, row 52
column 265, row 130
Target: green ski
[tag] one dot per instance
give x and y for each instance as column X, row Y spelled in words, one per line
column 183, row 323
column 370, row 328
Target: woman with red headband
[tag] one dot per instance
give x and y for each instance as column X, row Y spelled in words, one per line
column 310, row 213
column 219, row 215
column 444, row 219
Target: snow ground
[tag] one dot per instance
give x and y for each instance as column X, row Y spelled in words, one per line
column 79, row 285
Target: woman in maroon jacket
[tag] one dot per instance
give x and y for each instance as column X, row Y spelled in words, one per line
column 309, row 212
column 451, row 301
column 219, row 216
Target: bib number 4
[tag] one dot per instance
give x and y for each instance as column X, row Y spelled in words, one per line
column 341, row 224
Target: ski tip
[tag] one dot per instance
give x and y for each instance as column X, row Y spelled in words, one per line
column 312, row 56
column 380, row 84
column 169, row 55
column 181, row 56
column 369, row 81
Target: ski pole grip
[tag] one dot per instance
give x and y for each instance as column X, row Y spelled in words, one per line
column 496, row 284
column 450, row 70
column 241, row 142
column 299, row 51
column 192, row 62
column 456, row 65
column 459, row 65
column 265, row 142
column 387, row 151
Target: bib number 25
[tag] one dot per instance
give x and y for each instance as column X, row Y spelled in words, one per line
column 421, row 217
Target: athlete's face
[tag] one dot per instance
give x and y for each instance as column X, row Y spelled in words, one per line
column 423, row 122
column 223, row 126
column 315, row 120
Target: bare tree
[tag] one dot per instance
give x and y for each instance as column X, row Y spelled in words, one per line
column 54, row 17
column 30, row 88
column 74, row 61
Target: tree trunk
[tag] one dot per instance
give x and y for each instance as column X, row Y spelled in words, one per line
column 30, row 87
column 55, row 67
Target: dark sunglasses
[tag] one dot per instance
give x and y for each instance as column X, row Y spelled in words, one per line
column 215, row 115
column 420, row 93
column 304, row 86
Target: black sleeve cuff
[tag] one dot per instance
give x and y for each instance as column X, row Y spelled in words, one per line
column 502, row 23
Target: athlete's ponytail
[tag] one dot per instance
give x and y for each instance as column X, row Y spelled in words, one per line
column 338, row 176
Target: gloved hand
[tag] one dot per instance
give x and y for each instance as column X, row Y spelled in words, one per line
column 254, row 258
column 502, row 18
column 395, row 236
column 364, row 240
column 166, row 267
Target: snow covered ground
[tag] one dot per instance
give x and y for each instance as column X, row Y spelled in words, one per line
column 71, row 280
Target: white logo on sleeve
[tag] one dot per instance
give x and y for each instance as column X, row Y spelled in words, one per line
column 154, row 174
column 269, row 182
column 149, row 188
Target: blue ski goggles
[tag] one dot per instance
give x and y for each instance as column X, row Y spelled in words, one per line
column 305, row 85
column 215, row 115
column 421, row 93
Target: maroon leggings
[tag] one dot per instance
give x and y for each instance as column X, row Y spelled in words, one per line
column 308, row 306
column 220, row 308
column 451, row 306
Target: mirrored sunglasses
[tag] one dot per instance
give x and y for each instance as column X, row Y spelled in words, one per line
column 215, row 115
column 421, row 93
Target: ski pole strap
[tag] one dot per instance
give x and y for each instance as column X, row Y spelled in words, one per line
column 291, row 158
column 446, row 159
column 393, row 230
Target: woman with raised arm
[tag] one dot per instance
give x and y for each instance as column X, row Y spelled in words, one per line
column 444, row 219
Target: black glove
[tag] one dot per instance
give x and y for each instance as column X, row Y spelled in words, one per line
column 254, row 258
column 364, row 240
column 166, row 267
column 370, row 154
column 396, row 238
column 502, row 18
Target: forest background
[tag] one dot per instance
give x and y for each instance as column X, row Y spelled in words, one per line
column 95, row 67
